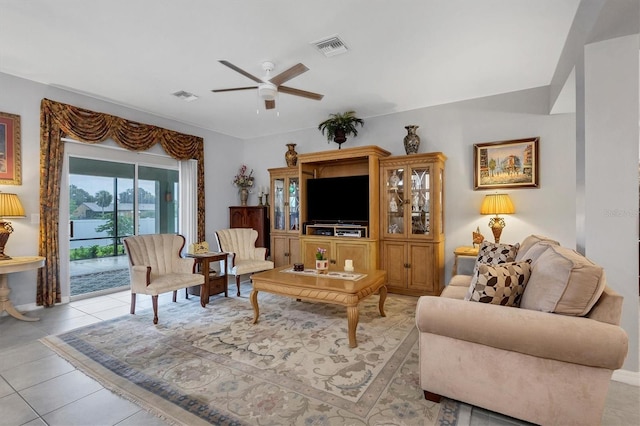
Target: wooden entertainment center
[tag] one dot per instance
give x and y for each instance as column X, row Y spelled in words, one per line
column 404, row 234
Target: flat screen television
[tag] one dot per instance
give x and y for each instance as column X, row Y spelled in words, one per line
column 342, row 199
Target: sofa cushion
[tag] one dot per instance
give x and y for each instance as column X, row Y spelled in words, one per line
column 501, row 284
column 564, row 282
column 530, row 242
column 492, row 254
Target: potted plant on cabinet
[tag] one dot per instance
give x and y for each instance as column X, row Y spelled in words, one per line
column 339, row 126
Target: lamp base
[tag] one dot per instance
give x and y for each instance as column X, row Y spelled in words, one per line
column 5, row 232
column 496, row 224
column 497, row 231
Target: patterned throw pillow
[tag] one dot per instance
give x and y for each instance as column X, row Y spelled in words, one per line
column 492, row 254
column 501, row 284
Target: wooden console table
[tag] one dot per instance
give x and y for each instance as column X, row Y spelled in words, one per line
column 16, row 264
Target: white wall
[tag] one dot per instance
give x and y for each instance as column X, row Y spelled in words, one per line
column 23, row 97
column 611, row 171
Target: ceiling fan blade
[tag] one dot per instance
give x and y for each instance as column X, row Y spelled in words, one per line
column 241, row 71
column 233, row 89
column 298, row 92
column 287, row 75
column 269, row 104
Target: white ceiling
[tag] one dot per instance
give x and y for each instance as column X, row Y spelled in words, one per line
column 403, row 54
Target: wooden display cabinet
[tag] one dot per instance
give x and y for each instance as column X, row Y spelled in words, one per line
column 412, row 222
column 255, row 217
column 284, row 196
column 364, row 160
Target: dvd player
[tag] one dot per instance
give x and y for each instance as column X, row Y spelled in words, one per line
column 348, row 233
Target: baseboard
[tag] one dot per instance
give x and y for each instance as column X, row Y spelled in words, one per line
column 28, row 307
column 626, row 376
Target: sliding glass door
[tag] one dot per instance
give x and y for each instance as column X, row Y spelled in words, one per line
column 110, row 200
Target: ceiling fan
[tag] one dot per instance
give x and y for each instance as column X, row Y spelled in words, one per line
column 269, row 86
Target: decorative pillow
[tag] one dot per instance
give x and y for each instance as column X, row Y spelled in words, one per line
column 531, row 243
column 501, row 284
column 492, row 254
column 564, row 282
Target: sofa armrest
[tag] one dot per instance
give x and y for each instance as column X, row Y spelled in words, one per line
column 184, row 265
column 564, row 338
column 140, row 277
column 260, row 253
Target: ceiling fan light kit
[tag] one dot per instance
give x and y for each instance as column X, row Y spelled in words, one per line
column 269, row 87
column 267, row 91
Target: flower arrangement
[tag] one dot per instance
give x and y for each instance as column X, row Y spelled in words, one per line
column 320, row 253
column 242, row 179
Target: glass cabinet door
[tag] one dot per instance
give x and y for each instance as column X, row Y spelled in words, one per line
column 294, row 204
column 420, row 201
column 278, row 201
column 394, row 201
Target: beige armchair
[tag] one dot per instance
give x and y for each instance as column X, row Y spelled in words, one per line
column 155, row 267
column 245, row 257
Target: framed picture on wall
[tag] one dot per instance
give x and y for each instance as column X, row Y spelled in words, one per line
column 506, row 164
column 9, row 149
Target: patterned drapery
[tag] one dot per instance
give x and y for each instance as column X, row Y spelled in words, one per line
column 58, row 120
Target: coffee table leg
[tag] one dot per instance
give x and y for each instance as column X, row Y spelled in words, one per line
column 383, row 297
column 254, row 302
column 352, row 321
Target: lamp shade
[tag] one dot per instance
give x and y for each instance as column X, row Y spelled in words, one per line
column 10, row 205
column 497, row 204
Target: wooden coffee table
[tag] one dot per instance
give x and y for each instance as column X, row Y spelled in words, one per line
column 321, row 288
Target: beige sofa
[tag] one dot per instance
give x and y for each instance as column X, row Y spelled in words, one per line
column 548, row 361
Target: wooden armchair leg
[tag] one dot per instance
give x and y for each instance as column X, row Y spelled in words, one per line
column 154, row 302
column 133, row 303
column 238, row 284
column 175, row 295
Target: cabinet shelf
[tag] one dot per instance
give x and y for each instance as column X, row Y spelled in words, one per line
column 338, row 230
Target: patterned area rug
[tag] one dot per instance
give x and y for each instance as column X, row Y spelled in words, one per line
column 295, row 367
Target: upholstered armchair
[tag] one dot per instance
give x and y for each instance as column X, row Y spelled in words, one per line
column 245, row 257
column 155, row 267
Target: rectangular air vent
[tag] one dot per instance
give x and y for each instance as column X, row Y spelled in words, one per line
column 185, row 96
column 331, row 46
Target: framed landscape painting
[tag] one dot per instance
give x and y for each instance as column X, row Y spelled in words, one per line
column 506, row 164
column 9, row 149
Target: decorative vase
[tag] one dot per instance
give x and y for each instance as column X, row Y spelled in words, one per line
column 291, row 156
column 244, row 196
column 340, row 137
column 412, row 140
column 322, row 266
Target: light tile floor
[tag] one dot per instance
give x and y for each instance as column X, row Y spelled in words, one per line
column 61, row 395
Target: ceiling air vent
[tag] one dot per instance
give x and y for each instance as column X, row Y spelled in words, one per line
column 330, row 46
column 185, row 96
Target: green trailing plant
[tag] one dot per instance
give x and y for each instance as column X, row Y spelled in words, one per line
column 338, row 126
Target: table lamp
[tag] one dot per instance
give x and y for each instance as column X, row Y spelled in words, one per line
column 10, row 206
column 497, row 204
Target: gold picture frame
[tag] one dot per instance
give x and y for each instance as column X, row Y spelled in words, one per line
column 10, row 149
column 506, row 164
